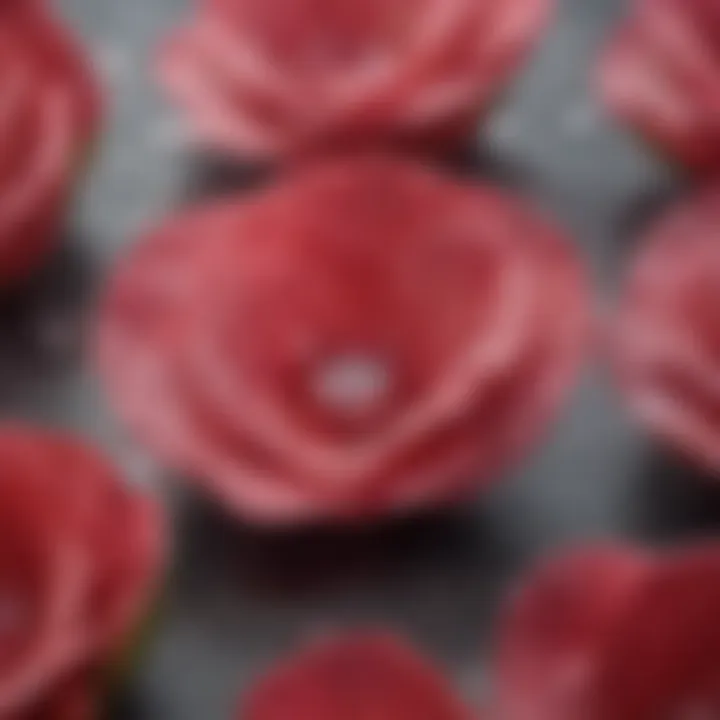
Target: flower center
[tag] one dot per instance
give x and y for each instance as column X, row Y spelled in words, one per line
column 352, row 385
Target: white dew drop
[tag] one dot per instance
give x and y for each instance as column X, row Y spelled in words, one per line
column 352, row 385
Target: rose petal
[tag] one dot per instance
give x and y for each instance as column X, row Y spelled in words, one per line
column 660, row 75
column 48, row 114
column 357, row 677
column 73, row 699
column 470, row 307
column 667, row 345
column 275, row 79
column 664, row 661
column 553, row 636
column 80, row 552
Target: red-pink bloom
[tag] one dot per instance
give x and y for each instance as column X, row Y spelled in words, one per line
column 365, row 338
column 552, row 638
column 79, row 555
column 49, row 113
column 601, row 633
column 661, row 74
column 269, row 78
column 354, row 675
column 667, row 344
column 78, row 697
column 664, row 658
column 608, row 634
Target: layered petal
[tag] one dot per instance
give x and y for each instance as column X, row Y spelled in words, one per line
column 49, row 112
column 367, row 337
column 664, row 660
column 661, row 74
column 356, row 676
column 554, row 634
column 80, row 552
column 667, row 348
column 610, row 633
column 271, row 79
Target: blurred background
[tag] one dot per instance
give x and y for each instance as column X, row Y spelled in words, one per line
column 239, row 598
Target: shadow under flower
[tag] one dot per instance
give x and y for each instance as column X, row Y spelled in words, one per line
column 210, row 176
column 313, row 560
column 42, row 321
column 675, row 499
column 639, row 214
column 483, row 162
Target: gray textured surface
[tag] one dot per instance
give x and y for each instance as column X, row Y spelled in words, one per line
column 238, row 599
